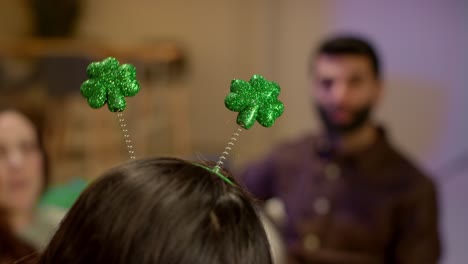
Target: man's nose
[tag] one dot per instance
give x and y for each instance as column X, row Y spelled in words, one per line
column 339, row 94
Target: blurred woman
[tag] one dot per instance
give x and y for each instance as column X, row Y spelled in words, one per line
column 24, row 176
column 161, row 211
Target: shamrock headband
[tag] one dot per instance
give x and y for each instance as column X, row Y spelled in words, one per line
column 256, row 100
column 109, row 83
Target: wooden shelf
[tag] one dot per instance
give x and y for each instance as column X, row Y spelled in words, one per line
column 162, row 52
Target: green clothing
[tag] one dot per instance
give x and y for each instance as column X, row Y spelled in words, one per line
column 53, row 207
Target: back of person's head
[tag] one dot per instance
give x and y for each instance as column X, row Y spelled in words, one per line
column 160, row 211
column 350, row 44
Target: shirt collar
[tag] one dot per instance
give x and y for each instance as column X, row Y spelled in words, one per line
column 366, row 160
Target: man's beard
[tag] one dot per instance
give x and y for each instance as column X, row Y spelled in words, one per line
column 358, row 120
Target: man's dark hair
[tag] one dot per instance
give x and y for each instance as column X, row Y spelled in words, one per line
column 158, row 211
column 351, row 45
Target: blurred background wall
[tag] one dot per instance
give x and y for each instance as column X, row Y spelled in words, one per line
column 422, row 42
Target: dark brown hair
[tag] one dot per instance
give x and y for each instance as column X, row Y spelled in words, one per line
column 350, row 44
column 160, row 211
column 11, row 247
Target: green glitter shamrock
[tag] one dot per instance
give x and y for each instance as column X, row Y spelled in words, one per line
column 110, row 83
column 255, row 100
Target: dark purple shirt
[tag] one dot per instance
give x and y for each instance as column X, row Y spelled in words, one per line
column 373, row 206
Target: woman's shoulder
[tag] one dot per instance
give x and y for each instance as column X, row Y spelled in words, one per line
column 44, row 225
column 50, row 215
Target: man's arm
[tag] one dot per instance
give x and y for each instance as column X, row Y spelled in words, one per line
column 417, row 238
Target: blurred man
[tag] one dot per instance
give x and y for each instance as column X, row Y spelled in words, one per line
column 349, row 195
